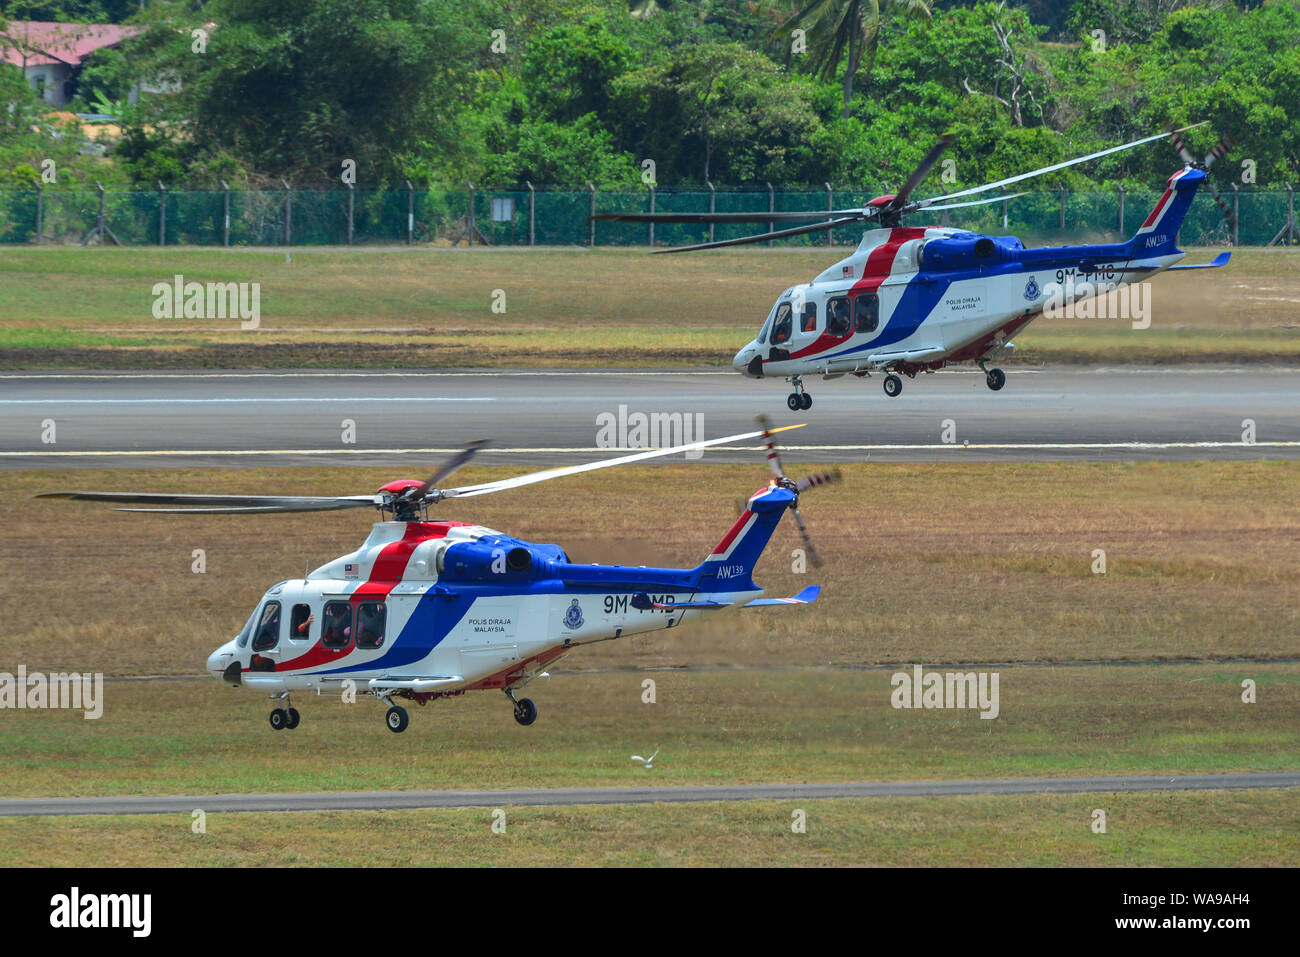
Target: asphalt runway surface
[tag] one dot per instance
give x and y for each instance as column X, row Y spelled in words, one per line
column 550, row 797
column 539, row 418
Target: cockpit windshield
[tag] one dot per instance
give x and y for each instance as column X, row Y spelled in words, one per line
column 242, row 640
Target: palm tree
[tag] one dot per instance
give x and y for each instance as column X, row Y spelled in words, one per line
column 833, row 27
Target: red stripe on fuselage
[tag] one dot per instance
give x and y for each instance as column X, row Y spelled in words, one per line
column 879, row 265
column 385, row 575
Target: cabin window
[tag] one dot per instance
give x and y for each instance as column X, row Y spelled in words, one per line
column 370, row 624
column 866, row 312
column 300, row 622
column 336, row 627
column 837, row 316
column 267, row 634
column 782, row 328
column 808, row 321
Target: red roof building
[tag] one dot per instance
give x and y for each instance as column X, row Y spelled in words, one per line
column 51, row 54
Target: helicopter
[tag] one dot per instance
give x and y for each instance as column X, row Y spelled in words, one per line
column 917, row 299
column 425, row 610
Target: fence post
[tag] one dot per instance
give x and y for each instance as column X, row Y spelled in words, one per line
column 713, row 205
column 288, row 214
column 350, row 196
column 771, row 208
column 1062, row 209
column 830, row 205
column 1121, row 208
column 591, row 223
column 101, row 222
column 473, row 227
column 1236, row 210
column 532, row 214
column 162, row 214
column 40, row 211
column 650, row 235
column 1290, row 214
column 225, row 213
column 410, row 212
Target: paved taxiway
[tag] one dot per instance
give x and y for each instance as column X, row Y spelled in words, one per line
column 117, row 420
column 542, row 797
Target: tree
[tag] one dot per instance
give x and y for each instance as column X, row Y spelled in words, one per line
column 836, row 27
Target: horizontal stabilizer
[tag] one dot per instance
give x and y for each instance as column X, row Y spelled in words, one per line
column 641, row 601
column 1215, row 263
column 805, row 597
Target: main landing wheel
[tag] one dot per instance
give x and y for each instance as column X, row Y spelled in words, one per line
column 396, row 719
column 794, row 401
column 893, row 385
column 294, row 718
column 995, row 379
column 525, row 711
column 279, row 719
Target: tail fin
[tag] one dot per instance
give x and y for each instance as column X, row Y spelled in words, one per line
column 1158, row 233
column 730, row 566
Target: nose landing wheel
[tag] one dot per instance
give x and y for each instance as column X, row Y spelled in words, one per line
column 798, row 400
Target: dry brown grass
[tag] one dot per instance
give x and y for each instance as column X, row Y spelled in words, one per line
column 924, row 563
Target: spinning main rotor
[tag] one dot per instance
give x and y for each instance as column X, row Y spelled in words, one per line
column 886, row 211
column 403, row 500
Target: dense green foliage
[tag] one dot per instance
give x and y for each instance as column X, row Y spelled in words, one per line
column 574, row 91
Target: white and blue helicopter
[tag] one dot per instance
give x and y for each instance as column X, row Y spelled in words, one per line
column 916, row 299
column 426, row 610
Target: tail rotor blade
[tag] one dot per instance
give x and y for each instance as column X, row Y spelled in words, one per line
column 1175, row 135
column 820, row 478
column 773, row 457
column 1218, row 152
column 813, row 558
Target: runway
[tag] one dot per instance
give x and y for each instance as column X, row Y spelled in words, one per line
column 551, row 797
column 540, row 418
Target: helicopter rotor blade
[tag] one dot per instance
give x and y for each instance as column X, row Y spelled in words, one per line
column 221, row 503
column 447, row 468
column 1054, row 167
column 705, row 218
column 813, row 558
column 1181, row 146
column 923, row 204
column 546, row 475
column 773, row 456
column 922, row 171
column 859, row 216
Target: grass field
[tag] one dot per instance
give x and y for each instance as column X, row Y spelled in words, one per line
column 752, row 727
column 1255, row 828
column 1201, row 567
column 969, row 562
column 420, row 308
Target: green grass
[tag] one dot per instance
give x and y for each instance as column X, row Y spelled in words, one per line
column 1193, row 829
column 613, row 307
column 713, row 728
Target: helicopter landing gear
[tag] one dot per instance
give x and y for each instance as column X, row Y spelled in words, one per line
column 798, row 400
column 995, row 379
column 525, row 710
column 893, row 385
column 396, row 719
column 284, row 716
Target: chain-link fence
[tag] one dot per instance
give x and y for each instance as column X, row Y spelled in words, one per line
column 560, row 217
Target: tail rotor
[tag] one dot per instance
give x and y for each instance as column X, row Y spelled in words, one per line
column 796, row 486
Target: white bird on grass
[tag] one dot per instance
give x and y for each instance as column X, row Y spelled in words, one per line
column 646, row 761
